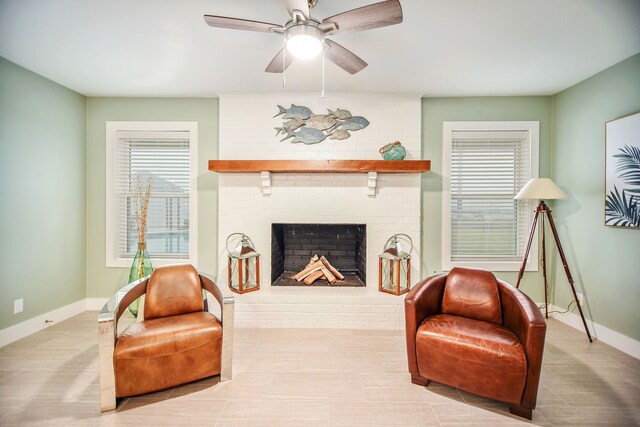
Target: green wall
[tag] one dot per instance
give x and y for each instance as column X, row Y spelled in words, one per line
column 43, row 193
column 437, row 110
column 103, row 281
column 605, row 261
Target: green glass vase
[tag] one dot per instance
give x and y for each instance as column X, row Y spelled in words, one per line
column 140, row 268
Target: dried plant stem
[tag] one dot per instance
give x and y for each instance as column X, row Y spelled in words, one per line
column 141, row 202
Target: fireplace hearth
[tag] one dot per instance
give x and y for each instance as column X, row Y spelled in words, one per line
column 293, row 245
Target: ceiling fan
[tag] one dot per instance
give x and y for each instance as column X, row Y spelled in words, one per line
column 305, row 37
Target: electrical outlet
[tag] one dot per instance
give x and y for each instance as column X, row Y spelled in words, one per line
column 580, row 298
column 18, row 306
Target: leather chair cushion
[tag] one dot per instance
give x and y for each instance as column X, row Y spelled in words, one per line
column 173, row 290
column 164, row 352
column 472, row 293
column 472, row 355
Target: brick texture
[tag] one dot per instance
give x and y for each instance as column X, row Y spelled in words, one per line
column 344, row 245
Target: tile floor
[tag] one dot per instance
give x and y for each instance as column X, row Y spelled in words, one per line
column 293, row 377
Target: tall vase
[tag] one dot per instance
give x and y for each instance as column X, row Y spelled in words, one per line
column 140, row 268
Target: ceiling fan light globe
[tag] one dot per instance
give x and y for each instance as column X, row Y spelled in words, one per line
column 304, row 41
column 304, row 46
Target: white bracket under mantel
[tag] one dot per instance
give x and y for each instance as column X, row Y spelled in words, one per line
column 265, row 179
column 372, row 182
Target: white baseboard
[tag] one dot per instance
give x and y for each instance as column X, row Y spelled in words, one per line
column 35, row 324
column 602, row 333
column 94, row 304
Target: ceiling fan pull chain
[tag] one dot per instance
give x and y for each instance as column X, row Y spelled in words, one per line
column 323, row 73
column 284, row 62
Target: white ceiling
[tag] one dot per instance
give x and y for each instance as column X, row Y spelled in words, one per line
column 443, row 47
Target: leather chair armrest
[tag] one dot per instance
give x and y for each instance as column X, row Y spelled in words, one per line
column 522, row 316
column 226, row 310
column 107, row 331
column 422, row 301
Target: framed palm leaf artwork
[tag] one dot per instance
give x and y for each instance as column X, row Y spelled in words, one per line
column 622, row 172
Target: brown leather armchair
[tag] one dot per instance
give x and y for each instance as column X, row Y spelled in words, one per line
column 471, row 331
column 179, row 339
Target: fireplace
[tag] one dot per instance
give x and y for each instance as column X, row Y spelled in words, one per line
column 343, row 245
column 318, row 198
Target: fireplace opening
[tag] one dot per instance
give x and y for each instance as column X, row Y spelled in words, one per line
column 343, row 245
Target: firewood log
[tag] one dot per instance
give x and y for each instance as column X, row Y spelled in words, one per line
column 308, row 270
column 331, row 268
column 312, row 260
column 313, row 277
column 327, row 275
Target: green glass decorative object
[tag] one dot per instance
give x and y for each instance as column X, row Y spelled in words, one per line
column 140, row 268
column 393, row 151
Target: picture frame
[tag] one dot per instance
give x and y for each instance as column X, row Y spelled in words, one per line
column 622, row 172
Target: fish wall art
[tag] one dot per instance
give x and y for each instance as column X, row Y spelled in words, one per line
column 303, row 126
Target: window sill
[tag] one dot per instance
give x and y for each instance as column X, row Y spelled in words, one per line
column 490, row 265
column 155, row 262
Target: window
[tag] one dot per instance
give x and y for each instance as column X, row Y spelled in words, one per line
column 165, row 152
column 485, row 164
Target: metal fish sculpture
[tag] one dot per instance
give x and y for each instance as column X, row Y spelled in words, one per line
column 320, row 122
column 306, row 136
column 353, row 123
column 292, row 124
column 294, row 111
column 339, row 134
column 339, row 114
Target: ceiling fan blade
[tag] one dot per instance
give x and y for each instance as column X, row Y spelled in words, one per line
column 275, row 66
column 367, row 17
column 239, row 24
column 301, row 5
column 343, row 58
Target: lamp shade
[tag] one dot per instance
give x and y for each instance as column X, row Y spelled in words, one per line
column 541, row 189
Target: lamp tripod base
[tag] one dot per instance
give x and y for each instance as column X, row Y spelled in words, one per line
column 543, row 209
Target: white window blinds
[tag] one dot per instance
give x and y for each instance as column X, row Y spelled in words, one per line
column 486, row 173
column 163, row 157
column 485, row 165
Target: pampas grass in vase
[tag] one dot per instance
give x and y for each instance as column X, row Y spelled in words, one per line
column 141, row 266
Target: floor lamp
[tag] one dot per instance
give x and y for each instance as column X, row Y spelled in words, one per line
column 545, row 189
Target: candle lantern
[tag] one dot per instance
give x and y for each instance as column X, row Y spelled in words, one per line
column 243, row 265
column 394, row 265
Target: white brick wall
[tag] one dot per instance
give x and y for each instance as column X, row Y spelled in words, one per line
column 246, row 132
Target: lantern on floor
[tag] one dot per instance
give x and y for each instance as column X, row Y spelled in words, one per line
column 244, row 264
column 394, row 265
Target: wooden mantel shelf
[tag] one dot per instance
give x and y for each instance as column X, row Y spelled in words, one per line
column 320, row 166
column 370, row 167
